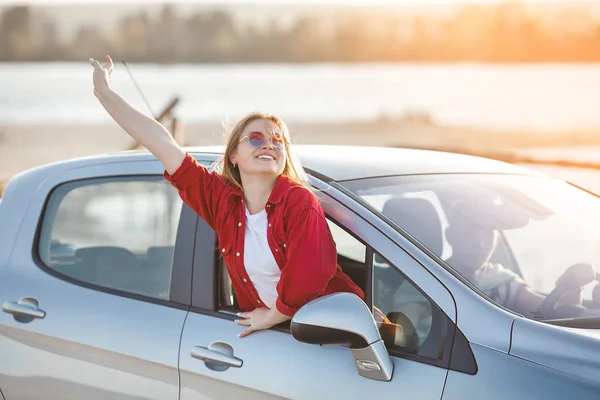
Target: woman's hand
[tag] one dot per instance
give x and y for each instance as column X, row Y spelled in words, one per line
column 102, row 74
column 260, row 319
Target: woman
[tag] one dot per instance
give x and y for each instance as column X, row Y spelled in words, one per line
column 272, row 231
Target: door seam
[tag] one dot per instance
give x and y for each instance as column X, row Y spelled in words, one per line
column 178, row 357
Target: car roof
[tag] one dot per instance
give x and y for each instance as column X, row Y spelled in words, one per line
column 326, row 162
column 341, row 163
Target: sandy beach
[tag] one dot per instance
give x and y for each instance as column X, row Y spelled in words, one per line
column 27, row 146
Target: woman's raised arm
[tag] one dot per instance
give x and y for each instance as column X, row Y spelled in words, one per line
column 145, row 130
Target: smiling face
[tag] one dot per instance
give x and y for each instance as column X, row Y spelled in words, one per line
column 265, row 159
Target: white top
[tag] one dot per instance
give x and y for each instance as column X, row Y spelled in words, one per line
column 258, row 258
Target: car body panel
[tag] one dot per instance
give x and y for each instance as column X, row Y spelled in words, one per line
column 557, row 343
column 276, row 365
column 506, row 377
column 90, row 344
column 341, row 163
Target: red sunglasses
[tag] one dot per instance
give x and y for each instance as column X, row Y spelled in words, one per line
column 258, row 139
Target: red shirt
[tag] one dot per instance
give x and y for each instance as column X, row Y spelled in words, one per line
column 297, row 232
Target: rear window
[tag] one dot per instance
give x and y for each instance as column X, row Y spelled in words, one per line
column 118, row 233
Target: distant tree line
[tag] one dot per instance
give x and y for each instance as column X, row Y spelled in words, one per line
column 498, row 33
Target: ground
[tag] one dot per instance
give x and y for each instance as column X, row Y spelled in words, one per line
column 27, row 146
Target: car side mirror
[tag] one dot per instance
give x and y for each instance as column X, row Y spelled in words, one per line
column 343, row 318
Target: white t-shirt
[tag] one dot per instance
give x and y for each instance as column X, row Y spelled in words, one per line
column 260, row 264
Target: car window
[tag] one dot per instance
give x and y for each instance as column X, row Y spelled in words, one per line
column 118, row 233
column 404, row 304
column 516, row 238
column 351, row 257
column 352, row 254
column 420, row 213
column 394, row 296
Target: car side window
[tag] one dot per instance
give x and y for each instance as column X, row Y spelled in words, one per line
column 352, row 254
column 400, row 301
column 118, row 233
column 404, row 304
column 351, row 257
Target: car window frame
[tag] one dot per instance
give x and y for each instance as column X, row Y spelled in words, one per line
column 448, row 330
column 463, row 359
column 181, row 270
column 206, row 296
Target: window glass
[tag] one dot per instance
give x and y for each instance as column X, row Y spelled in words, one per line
column 420, row 320
column 352, row 254
column 116, row 233
column 412, row 323
column 518, row 239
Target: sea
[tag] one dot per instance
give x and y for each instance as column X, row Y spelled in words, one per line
column 543, row 97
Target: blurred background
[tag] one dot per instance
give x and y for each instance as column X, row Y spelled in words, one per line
column 517, row 80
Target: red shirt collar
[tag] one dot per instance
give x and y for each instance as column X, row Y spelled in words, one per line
column 282, row 185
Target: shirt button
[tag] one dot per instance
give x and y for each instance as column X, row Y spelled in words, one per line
column 284, row 245
column 239, row 224
column 258, row 301
column 276, row 249
column 268, row 205
column 237, row 254
column 245, row 280
column 269, row 225
column 223, row 250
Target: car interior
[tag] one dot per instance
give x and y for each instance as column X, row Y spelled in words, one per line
column 147, row 273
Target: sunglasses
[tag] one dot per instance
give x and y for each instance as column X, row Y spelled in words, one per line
column 258, row 139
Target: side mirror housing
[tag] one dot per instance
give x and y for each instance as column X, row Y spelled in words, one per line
column 344, row 319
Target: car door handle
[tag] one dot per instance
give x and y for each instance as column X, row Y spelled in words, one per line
column 217, row 354
column 24, row 307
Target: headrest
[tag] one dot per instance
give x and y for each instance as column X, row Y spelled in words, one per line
column 498, row 207
column 103, row 251
column 419, row 218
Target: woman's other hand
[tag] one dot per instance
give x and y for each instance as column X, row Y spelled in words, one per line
column 260, row 319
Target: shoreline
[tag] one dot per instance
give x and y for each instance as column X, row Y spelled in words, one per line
column 27, row 146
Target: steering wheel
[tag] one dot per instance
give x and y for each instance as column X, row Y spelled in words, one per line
column 570, row 283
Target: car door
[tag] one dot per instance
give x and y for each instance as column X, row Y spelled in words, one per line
column 216, row 364
column 97, row 289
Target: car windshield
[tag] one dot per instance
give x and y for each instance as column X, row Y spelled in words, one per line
column 529, row 243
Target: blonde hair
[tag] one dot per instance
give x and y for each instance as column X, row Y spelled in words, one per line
column 292, row 169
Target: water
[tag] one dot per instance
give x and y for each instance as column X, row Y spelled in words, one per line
column 549, row 96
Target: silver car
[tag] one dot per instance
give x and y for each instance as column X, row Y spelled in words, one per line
column 111, row 287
